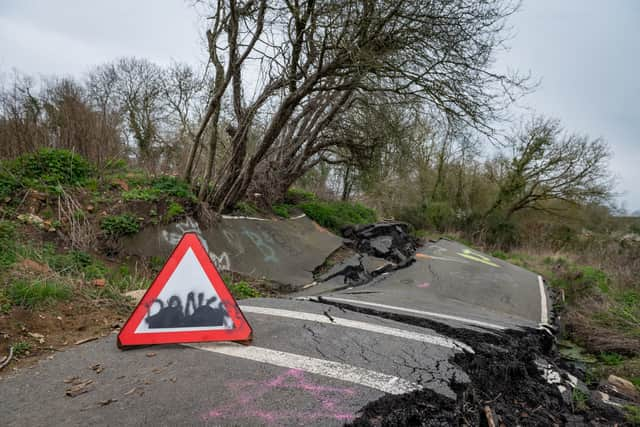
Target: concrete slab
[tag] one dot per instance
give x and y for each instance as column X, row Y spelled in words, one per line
column 309, row 364
column 283, row 251
column 452, row 283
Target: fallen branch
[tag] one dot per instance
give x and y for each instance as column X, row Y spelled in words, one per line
column 8, row 359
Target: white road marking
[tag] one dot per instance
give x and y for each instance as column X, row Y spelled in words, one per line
column 244, row 217
column 347, row 323
column 423, row 313
column 298, row 217
column 340, row 371
column 544, row 311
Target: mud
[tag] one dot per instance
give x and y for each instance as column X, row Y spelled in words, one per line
column 504, row 376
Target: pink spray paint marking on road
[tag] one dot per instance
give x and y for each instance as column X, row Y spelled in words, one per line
column 248, row 394
column 423, row 285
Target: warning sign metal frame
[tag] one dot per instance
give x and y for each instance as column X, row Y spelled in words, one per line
column 240, row 332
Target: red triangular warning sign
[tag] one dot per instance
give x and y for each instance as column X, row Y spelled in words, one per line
column 187, row 302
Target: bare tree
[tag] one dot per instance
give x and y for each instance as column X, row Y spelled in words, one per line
column 548, row 164
column 313, row 57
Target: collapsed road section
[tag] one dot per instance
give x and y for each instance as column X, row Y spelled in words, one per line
column 444, row 335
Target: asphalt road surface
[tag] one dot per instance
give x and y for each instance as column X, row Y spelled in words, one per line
column 311, row 362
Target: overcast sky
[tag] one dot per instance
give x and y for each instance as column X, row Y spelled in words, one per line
column 586, row 53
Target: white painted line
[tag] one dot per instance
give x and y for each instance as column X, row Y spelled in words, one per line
column 370, row 327
column 544, row 311
column 422, row 313
column 340, row 371
column 298, row 217
column 244, row 217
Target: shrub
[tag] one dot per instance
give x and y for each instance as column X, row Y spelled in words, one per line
column 120, row 225
column 281, row 209
column 335, row 215
column 52, row 167
column 501, row 232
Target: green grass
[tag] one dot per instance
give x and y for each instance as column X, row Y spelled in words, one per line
column 21, row 348
column 173, row 211
column 632, row 415
column 8, row 255
column 32, row 293
column 611, row 359
column 243, row 290
column 500, row 255
column 580, row 399
column 335, row 215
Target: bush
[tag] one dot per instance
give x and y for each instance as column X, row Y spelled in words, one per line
column 52, row 167
column 432, row 216
column 282, row 210
column 120, row 225
column 335, row 215
column 501, row 232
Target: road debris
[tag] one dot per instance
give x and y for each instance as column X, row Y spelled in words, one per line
column 151, row 354
column 97, row 368
column 36, row 336
column 107, row 402
column 86, row 340
column 79, row 387
column 380, row 248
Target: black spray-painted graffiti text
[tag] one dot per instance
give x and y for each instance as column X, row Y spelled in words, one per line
column 174, row 315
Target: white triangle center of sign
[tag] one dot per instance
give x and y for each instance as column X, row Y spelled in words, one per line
column 187, row 302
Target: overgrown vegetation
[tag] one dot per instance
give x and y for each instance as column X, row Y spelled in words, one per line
column 120, row 225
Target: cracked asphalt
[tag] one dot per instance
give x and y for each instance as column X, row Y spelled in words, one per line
column 182, row 385
column 317, row 358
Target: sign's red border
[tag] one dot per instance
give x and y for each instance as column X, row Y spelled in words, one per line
column 241, row 331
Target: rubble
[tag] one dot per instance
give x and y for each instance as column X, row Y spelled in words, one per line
column 514, row 373
column 380, row 248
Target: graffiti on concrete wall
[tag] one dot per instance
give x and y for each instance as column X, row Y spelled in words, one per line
column 247, row 396
column 221, row 260
column 263, row 241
